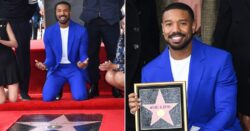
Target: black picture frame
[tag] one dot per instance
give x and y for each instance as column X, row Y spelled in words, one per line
column 171, row 115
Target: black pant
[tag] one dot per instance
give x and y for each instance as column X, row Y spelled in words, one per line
column 22, row 30
column 109, row 34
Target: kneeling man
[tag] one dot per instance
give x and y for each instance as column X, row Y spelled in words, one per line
column 66, row 56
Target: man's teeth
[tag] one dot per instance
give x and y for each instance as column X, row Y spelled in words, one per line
column 176, row 38
column 63, row 18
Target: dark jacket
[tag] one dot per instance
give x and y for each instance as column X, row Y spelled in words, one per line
column 232, row 34
column 142, row 38
column 16, row 9
column 232, row 29
column 109, row 10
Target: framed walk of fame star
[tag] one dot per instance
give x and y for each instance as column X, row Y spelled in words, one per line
column 163, row 106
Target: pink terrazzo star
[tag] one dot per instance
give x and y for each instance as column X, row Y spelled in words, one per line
column 160, row 110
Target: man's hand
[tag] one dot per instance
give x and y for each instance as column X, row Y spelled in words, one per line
column 40, row 65
column 32, row 2
column 134, row 103
column 107, row 65
column 83, row 64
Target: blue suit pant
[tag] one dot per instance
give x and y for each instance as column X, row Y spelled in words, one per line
column 65, row 73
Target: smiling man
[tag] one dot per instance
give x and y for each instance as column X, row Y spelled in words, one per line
column 66, row 56
column 208, row 72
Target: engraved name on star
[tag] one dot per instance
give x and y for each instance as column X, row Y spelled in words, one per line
column 160, row 109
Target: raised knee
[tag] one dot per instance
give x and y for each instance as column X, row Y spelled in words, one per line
column 2, row 99
column 109, row 77
column 48, row 99
column 109, row 80
column 80, row 98
column 13, row 99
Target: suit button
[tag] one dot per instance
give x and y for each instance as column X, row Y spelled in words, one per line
column 136, row 29
column 136, row 46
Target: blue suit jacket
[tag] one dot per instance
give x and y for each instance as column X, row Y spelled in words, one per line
column 77, row 45
column 211, row 87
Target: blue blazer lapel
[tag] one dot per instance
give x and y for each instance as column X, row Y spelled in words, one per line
column 165, row 74
column 58, row 42
column 195, row 73
column 70, row 37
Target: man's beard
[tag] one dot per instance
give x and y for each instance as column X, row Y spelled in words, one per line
column 184, row 45
column 62, row 21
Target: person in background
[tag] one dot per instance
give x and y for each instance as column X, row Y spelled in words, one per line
column 196, row 6
column 42, row 19
column 115, row 70
column 8, row 66
column 19, row 14
column 208, row 72
column 231, row 34
column 101, row 18
column 66, row 56
column 36, row 22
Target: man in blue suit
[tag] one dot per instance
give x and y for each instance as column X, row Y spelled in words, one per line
column 209, row 73
column 66, row 56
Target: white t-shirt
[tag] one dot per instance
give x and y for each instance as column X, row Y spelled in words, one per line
column 64, row 36
column 180, row 69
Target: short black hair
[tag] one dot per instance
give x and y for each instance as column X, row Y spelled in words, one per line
column 180, row 6
column 63, row 3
